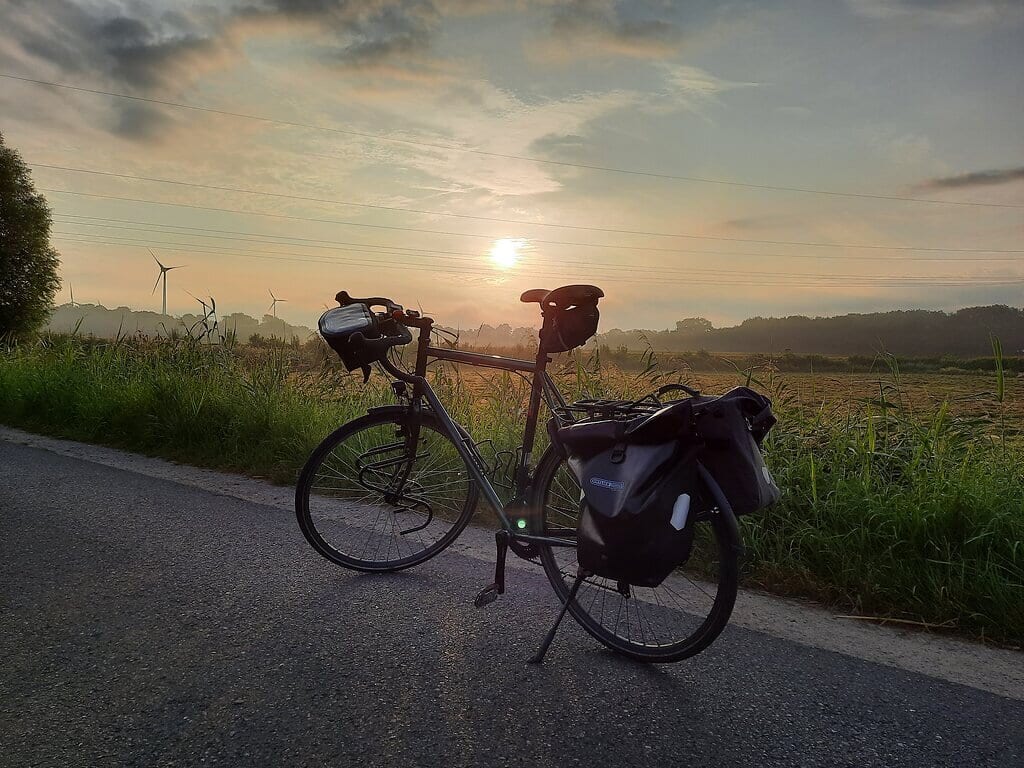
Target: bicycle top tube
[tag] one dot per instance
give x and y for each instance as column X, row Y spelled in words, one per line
column 481, row 360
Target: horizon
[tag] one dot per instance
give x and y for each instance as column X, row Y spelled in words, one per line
column 726, row 162
column 602, row 327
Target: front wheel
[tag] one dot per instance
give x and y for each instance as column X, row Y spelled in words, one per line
column 372, row 498
column 675, row 620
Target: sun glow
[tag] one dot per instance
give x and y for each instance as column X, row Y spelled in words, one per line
column 505, row 252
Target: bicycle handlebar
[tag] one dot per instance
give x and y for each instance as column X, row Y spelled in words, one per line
column 375, row 301
column 379, row 347
column 394, row 326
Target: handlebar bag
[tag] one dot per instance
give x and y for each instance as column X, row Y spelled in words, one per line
column 338, row 325
column 732, row 428
column 569, row 328
column 634, row 477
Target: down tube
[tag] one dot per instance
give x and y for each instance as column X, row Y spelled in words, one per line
column 469, row 456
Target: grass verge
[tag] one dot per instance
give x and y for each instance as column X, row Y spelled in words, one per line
column 890, row 507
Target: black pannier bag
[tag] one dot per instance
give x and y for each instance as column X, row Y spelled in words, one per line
column 732, row 428
column 339, row 324
column 641, row 485
column 570, row 328
column 639, row 481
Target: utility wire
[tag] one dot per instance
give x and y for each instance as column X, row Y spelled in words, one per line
column 404, row 267
column 831, row 281
column 604, row 268
column 511, row 221
column 328, row 243
column 508, row 156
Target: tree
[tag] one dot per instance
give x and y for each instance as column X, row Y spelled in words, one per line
column 28, row 265
column 694, row 325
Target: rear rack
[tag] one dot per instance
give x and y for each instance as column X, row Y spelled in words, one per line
column 612, row 409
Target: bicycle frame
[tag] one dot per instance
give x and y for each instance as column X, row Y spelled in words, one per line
column 542, row 387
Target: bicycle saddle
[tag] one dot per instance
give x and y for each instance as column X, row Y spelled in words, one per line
column 566, row 296
column 534, row 295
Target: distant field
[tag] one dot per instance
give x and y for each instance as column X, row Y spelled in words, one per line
column 903, row 493
column 967, row 394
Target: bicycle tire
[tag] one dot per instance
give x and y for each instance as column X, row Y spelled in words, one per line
column 369, row 504
column 561, row 572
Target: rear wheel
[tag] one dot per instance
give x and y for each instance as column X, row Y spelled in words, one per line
column 670, row 622
column 369, row 500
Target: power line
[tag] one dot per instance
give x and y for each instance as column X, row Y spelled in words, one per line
column 716, row 238
column 326, row 243
column 404, row 266
column 605, row 268
column 253, row 237
column 717, row 280
column 509, row 156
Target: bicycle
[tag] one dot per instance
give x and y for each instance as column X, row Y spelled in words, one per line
column 393, row 488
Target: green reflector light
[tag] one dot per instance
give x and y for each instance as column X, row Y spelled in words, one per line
column 521, row 523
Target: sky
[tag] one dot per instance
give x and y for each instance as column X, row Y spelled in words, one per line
column 715, row 159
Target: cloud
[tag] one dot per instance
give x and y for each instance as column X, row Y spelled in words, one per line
column 476, row 113
column 558, row 145
column 389, row 34
column 356, row 33
column 687, row 81
column 688, row 88
column 141, row 50
column 590, row 28
column 139, row 122
column 152, row 51
column 976, row 179
column 950, row 13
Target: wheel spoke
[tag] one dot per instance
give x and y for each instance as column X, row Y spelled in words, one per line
column 663, row 623
column 366, row 491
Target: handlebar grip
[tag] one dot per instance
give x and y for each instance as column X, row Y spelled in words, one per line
column 344, row 300
column 379, row 346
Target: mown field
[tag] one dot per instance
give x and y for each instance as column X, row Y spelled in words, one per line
column 903, row 493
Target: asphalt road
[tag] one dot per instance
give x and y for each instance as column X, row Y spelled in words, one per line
column 144, row 622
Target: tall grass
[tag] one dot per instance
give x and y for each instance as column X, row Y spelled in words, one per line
column 891, row 507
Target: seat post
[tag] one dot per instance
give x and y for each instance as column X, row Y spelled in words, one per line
column 532, row 415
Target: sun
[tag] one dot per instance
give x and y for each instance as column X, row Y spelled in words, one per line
column 505, row 252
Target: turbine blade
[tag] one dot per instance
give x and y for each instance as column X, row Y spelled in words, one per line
column 155, row 258
column 156, row 283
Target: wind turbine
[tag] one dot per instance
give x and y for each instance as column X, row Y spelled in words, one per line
column 163, row 274
column 73, row 302
column 273, row 304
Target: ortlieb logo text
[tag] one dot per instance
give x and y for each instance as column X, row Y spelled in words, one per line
column 600, row 482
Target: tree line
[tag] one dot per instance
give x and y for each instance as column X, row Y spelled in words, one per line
column 911, row 333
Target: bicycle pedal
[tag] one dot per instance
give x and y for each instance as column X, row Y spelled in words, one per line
column 487, row 596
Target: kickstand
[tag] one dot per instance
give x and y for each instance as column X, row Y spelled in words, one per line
column 490, row 593
column 539, row 656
